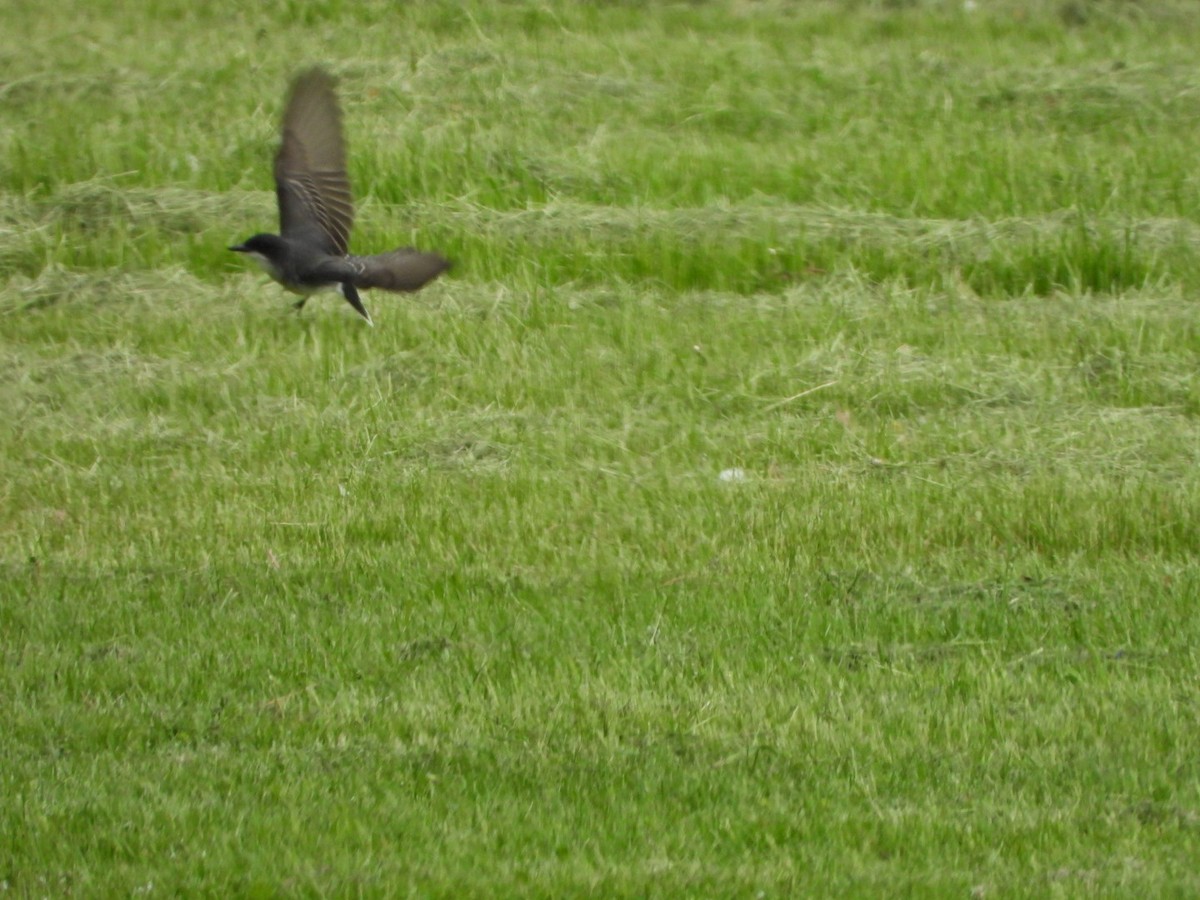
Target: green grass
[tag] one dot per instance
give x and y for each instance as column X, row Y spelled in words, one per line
column 459, row 605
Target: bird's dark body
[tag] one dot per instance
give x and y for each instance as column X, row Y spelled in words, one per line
column 316, row 210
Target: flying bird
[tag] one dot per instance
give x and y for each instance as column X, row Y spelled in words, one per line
column 316, row 211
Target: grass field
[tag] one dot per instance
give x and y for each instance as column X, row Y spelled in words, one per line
column 462, row 605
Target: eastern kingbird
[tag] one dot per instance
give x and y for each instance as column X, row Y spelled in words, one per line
column 316, row 211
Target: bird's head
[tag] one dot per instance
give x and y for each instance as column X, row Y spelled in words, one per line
column 267, row 250
column 268, row 245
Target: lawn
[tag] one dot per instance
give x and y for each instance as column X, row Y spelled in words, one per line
column 793, row 490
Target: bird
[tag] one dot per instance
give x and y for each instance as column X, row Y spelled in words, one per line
column 311, row 253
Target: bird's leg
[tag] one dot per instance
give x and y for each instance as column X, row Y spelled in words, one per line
column 299, row 304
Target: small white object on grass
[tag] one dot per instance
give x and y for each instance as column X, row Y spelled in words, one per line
column 733, row 475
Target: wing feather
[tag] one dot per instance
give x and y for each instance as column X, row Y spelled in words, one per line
column 405, row 269
column 311, row 184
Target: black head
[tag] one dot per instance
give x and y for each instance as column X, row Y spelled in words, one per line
column 269, row 246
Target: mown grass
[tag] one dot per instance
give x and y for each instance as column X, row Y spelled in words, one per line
column 460, row 605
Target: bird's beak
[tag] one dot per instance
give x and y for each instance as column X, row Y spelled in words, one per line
column 239, row 248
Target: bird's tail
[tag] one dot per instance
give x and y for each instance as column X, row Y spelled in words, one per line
column 347, row 290
column 405, row 269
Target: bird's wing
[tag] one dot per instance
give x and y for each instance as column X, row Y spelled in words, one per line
column 310, row 168
column 405, row 269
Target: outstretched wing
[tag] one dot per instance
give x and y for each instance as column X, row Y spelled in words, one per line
column 405, row 269
column 310, row 168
